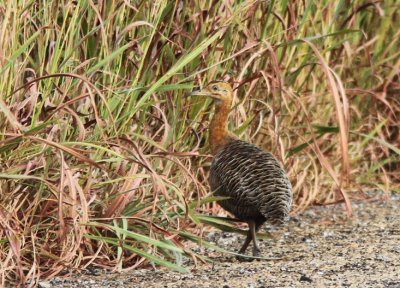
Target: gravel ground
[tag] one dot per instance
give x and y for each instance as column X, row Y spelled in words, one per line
column 318, row 248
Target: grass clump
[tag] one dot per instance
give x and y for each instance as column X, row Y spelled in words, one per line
column 103, row 159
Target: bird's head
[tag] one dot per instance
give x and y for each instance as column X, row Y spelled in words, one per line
column 221, row 92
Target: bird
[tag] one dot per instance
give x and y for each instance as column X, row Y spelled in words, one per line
column 253, row 183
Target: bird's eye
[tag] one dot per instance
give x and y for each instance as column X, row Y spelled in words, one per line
column 215, row 88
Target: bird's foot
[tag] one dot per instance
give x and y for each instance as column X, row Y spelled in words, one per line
column 244, row 258
column 256, row 251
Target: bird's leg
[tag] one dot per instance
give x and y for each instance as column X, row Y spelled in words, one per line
column 246, row 242
column 253, row 228
column 251, row 235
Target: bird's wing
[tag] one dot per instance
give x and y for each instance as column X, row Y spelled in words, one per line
column 253, row 179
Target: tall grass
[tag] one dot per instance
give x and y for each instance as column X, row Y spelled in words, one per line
column 104, row 161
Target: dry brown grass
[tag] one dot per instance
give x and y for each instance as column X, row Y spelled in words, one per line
column 104, row 161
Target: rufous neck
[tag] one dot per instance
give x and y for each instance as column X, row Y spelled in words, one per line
column 219, row 134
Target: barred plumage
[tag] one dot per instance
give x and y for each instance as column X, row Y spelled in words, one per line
column 255, row 182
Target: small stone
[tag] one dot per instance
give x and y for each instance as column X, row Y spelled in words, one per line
column 304, row 278
column 44, row 284
column 383, row 258
column 396, row 249
column 328, row 234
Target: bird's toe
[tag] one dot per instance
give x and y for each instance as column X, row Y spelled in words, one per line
column 256, row 252
column 244, row 258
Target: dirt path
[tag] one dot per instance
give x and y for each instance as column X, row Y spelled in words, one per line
column 316, row 251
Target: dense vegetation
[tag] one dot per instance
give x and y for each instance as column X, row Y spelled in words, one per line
column 104, row 161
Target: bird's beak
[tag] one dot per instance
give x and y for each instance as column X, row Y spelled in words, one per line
column 199, row 92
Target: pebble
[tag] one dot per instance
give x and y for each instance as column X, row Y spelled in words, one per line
column 383, row 258
column 44, row 284
column 304, row 278
column 396, row 249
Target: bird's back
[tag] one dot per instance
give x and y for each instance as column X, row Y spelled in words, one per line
column 255, row 182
